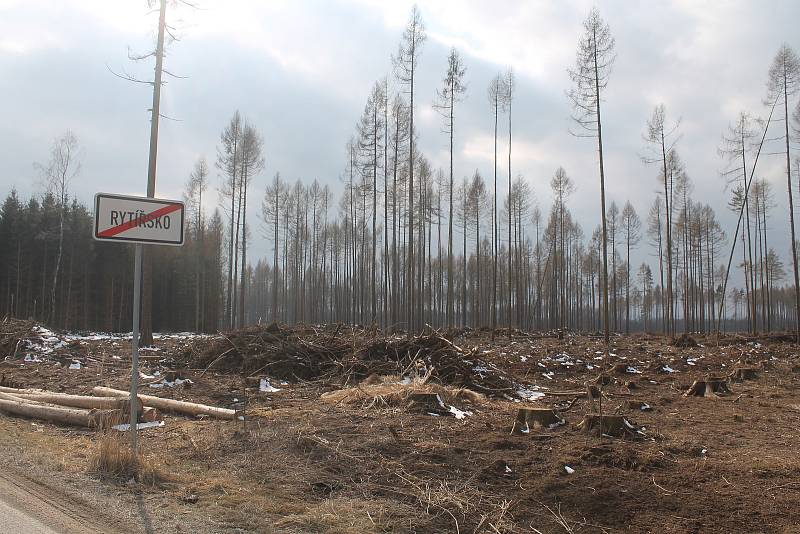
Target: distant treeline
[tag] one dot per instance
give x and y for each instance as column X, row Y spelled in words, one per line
column 94, row 286
column 325, row 270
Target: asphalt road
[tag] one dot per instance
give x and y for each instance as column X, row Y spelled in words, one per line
column 14, row 520
column 30, row 507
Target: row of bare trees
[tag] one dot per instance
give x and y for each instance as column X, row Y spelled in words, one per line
column 404, row 244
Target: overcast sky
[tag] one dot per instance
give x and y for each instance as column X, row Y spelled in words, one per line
column 301, row 71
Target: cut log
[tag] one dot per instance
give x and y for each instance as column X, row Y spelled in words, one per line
column 77, row 401
column 55, row 414
column 17, row 398
column 30, row 396
column 528, row 418
column 17, row 391
column 94, row 418
column 170, row 405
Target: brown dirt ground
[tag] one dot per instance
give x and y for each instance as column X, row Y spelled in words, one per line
column 304, row 463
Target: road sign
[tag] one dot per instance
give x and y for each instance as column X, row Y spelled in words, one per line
column 138, row 219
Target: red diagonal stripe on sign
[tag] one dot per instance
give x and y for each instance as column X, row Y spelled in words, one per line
column 114, row 230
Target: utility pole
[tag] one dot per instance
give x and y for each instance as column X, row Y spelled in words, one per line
column 147, row 263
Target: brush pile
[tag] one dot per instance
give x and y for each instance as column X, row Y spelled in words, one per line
column 15, row 335
column 288, row 353
column 345, row 355
column 433, row 355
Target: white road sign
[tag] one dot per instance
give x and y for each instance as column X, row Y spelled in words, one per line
column 138, row 219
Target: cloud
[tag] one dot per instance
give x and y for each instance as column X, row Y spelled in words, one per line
column 301, row 73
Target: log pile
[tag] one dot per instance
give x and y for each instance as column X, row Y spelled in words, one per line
column 73, row 410
column 107, row 408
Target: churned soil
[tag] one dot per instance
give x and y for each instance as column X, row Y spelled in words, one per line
column 347, row 430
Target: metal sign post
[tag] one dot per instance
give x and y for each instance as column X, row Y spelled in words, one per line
column 137, row 220
column 137, row 298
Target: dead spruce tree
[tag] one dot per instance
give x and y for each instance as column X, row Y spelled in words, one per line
column 736, row 144
column 251, row 165
column 631, row 226
column 405, row 68
column 195, row 187
column 229, row 164
column 496, row 94
column 509, row 82
column 661, row 142
column 783, row 82
column 562, row 186
column 590, row 76
column 446, row 97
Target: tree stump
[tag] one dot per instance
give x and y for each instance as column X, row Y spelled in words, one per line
column 710, row 387
column 603, row 379
column 608, row 425
column 623, row 368
column 528, row 418
column 638, row 405
column 742, row 373
column 427, row 403
column 685, row 341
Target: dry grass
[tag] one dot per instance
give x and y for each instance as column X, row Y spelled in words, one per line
column 114, row 458
column 391, row 391
column 345, row 515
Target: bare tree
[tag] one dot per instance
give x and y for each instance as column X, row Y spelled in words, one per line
column 58, row 174
column 496, row 102
column 270, row 215
column 508, row 99
column 655, row 231
column 196, row 186
column 252, row 163
column 450, row 93
column 661, row 138
column 229, row 164
column 593, row 63
column 562, row 186
column 783, row 82
column 405, row 66
column 631, row 225
column 736, row 144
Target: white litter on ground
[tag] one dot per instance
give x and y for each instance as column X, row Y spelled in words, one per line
column 165, row 382
column 530, row 394
column 139, row 426
column 459, row 413
column 264, row 386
